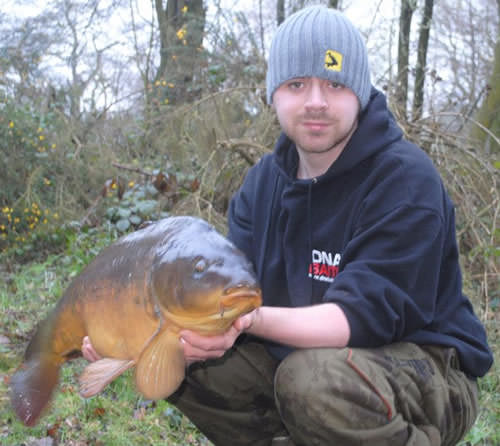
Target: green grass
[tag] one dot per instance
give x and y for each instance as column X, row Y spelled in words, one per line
column 119, row 415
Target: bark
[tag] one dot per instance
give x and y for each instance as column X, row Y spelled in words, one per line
column 280, row 12
column 181, row 25
column 423, row 43
column 488, row 115
column 401, row 93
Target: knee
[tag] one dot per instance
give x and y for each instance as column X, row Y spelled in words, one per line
column 304, row 370
column 327, row 383
column 307, row 376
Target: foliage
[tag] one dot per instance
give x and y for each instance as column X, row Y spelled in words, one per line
column 29, row 225
column 27, row 149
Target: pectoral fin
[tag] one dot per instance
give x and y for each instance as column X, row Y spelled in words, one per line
column 99, row 374
column 161, row 367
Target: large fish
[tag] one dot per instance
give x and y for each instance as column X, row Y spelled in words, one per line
column 132, row 301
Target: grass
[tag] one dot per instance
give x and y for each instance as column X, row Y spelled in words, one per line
column 119, row 415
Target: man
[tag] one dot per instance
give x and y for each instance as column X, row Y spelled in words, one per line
column 365, row 337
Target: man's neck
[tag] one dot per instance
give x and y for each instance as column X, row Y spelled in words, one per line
column 315, row 164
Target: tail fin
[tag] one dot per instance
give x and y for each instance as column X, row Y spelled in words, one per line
column 32, row 386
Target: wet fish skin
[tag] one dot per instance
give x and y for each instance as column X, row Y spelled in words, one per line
column 132, row 301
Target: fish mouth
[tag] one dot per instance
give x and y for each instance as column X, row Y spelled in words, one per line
column 238, row 295
column 239, row 300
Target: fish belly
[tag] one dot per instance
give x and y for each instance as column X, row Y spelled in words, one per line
column 121, row 323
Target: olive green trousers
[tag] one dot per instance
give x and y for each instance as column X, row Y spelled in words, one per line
column 401, row 394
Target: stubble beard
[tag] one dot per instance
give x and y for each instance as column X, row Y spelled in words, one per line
column 342, row 139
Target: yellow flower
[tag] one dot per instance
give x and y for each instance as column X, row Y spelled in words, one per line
column 184, row 9
column 46, row 181
column 171, row 85
column 11, row 124
column 16, row 220
column 54, row 146
column 181, row 33
column 114, row 186
column 56, row 215
column 42, row 137
column 166, row 101
column 131, row 184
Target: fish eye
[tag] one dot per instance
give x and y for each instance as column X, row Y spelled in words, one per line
column 200, row 266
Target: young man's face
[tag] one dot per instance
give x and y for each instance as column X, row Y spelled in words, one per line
column 317, row 114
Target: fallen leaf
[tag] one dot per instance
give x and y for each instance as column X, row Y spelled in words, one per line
column 52, row 430
column 99, row 411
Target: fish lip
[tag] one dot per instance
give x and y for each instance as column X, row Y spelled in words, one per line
column 232, row 294
column 235, row 300
column 242, row 289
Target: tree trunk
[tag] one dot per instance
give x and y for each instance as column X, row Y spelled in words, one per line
column 181, row 24
column 423, row 43
column 401, row 93
column 280, row 12
column 489, row 114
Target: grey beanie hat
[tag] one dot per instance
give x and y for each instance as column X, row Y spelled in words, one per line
column 319, row 42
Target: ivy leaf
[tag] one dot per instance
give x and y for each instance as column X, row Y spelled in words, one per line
column 123, row 224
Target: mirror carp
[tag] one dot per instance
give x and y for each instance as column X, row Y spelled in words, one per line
column 132, row 301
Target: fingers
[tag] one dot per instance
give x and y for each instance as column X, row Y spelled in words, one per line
column 88, row 351
column 244, row 322
column 200, row 348
column 194, row 354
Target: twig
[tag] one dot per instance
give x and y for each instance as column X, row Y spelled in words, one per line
column 133, row 169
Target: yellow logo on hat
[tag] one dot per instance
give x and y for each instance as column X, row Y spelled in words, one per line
column 333, row 60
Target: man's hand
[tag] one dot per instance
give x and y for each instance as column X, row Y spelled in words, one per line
column 200, row 348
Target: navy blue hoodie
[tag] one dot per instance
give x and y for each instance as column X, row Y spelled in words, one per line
column 375, row 234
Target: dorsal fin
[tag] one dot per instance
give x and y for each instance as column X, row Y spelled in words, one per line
column 161, row 366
